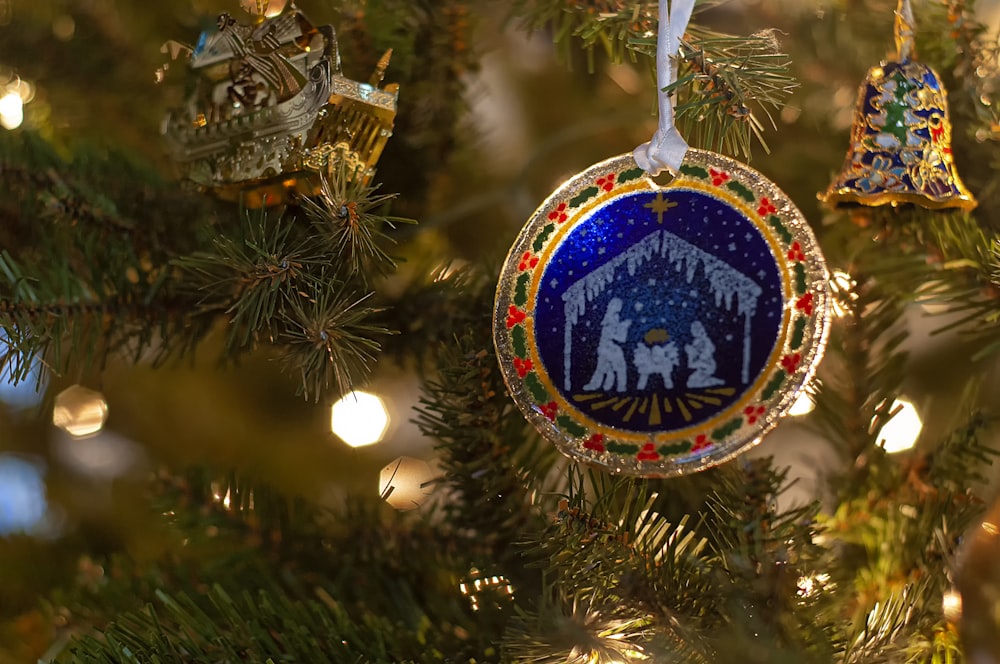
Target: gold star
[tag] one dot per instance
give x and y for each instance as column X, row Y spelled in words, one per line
column 659, row 205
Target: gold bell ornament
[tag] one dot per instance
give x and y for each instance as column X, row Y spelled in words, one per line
column 900, row 151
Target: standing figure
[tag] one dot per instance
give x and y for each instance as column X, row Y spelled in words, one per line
column 612, row 371
column 701, row 358
column 656, row 359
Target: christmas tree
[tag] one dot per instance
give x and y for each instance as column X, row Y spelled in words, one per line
column 227, row 228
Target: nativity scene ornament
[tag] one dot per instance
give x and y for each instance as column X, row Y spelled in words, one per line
column 660, row 330
column 268, row 110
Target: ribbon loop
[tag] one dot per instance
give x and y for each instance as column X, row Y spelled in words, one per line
column 667, row 148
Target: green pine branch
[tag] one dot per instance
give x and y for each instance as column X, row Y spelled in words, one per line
column 727, row 85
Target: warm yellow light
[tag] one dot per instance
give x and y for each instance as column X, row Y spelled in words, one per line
column 79, row 411
column 406, row 482
column 843, row 286
column 500, row 585
column 359, row 419
column 901, row 432
column 951, row 604
column 11, row 110
column 810, row 585
column 803, row 405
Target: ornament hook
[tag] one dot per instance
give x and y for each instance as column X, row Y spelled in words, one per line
column 667, row 148
column 905, row 29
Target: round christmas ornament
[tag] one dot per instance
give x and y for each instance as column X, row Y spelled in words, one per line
column 659, row 330
column 900, row 149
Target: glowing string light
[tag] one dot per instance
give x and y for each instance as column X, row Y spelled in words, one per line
column 359, row 419
column 11, row 110
column 901, row 432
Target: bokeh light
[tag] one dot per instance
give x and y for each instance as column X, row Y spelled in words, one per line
column 951, row 605
column 803, row 405
column 406, row 482
column 79, row 411
column 11, row 110
column 843, row 286
column 104, row 456
column 14, row 94
column 23, row 505
column 359, row 419
column 901, row 432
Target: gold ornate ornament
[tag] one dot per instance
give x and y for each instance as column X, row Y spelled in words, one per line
column 270, row 111
column 900, row 151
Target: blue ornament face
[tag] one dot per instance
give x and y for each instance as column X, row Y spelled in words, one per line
column 659, row 311
column 659, row 330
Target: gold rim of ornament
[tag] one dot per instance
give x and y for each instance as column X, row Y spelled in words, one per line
column 791, row 364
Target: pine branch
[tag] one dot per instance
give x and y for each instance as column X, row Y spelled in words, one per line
column 865, row 363
column 722, row 78
column 436, row 301
column 252, row 281
column 622, row 579
column 328, row 340
column 250, row 626
column 488, row 453
column 349, row 228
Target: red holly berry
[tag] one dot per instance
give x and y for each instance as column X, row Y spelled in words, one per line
column 753, row 414
column 805, row 304
column 549, row 410
column 522, row 367
column 515, row 316
column 648, row 453
column 607, row 183
column 527, row 261
column 701, row 442
column 795, row 252
column 559, row 214
column 595, row 443
column 718, row 177
column 791, row 362
column 766, row 207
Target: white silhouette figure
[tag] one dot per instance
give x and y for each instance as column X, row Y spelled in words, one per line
column 611, row 367
column 656, row 359
column 701, row 358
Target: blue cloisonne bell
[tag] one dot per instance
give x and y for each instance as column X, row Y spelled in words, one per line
column 900, row 150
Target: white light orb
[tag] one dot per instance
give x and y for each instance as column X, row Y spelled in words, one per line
column 105, row 456
column 901, row 432
column 80, row 412
column 359, row 419
column 406, row 483
column 803, row 405
column 11, row 110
